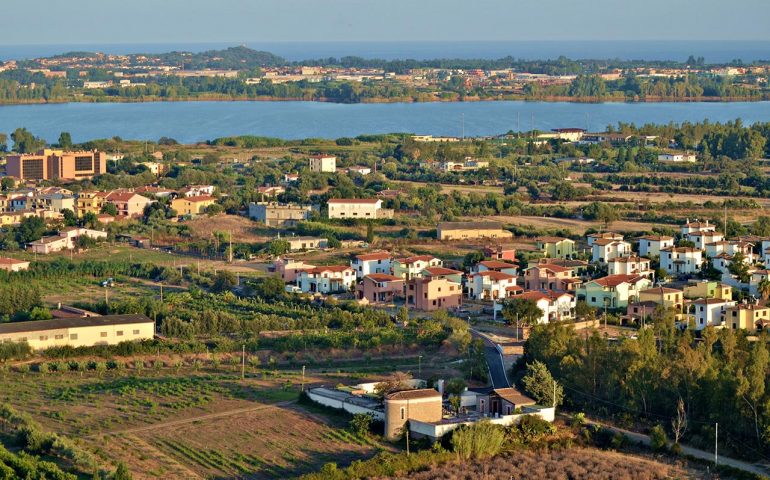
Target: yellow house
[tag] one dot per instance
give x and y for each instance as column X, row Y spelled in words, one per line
column 668, row 297
column 90, row 202
column 556, row 247
column 192, row 205
column 708, row 289
column 79, row 332
column 746, row 317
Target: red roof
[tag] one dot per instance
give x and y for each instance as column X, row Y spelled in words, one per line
column 436, row 271
column 199, row 198
column 615, row 280
column 10, row 261
column 416, row 258
column 329, row 268
column 495, row 264
column 383, row 277
column 365, row 257
column 551, row 267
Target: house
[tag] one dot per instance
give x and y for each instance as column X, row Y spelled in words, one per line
column 681, row 260
column 677, row 157
column 425, row 405
column 380, row 288
column 270, row 191
column 556, row 306
column 329, row 279
column 700, row 239
column 54, row 202
column 632, row 265
column 651, row 245
column 430, row 294
column 668, row 297
column 749, row 317
column 89, row 202
column 368, row 263
column 197, row 190
column 79, row 331
column 51, row 244
column 708, row 289
column 359, row 169
column 192, row 206
column 358, row 208
column 128, row 204
column 289, row 178
column 708, row 311
column 501, row 402
column 279, row 215
column 322, row 163
column 696, row 226
column 500, row 252
column 590, row 239
column 492, row 285
column 556, row 247
column 13, row 265
column 546, row 276
column 757, row 277
column 455, row 276
column 306, row 243
column 640, row 310
column 412, row 267
column 496, row 266
column 470, row 230
column 288, row 268
column 604, row 250
column 613, row 291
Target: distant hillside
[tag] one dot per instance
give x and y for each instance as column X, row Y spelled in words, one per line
column 233, row 58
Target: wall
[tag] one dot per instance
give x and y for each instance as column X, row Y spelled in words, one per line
column 341, row 405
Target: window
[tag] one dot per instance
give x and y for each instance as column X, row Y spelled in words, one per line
column 59, row 337
column 73, row 336
column 43, row 338
column 103, row 334
column 119, row 333
column 403, row 413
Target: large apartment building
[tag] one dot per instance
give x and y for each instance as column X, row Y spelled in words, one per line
column 50, row 164
column 279, row 214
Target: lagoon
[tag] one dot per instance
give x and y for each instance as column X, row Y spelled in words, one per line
column 189, row 122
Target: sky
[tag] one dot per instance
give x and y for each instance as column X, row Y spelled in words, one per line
column 239, row 21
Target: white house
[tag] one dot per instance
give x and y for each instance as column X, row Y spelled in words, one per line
column 358, row 208
column 496, row 266
column 701, row 239
column 604, row 250
column 359, row 169
column 708, row 311
column 323, row 163
column 492, row 285
column 681, row 260
column 632, row 265
column 691, row 227
column 590, row 239
column 677, row 157
column 412, row 267
column 651, row 245
column 368, row 263
column 330, row 279
column 555, row 306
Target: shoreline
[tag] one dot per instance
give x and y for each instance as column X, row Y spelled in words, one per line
column 509, row 98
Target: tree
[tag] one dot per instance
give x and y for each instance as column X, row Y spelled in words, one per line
column 752, row 382
column 397, row 381
column 361, row 423
column 679, row 422
column 65, row 141
column 369, row 233
column 764, row 289
column 109, row 209
column 7, row 183
column 30, row 229
column 541, row 386
column 69, row 217
column 278, row 246
column 472, row 258
column 455, row 387
column 480, row 440
column 214, row 209
column 25, row 142
column 224, row 281
column 739, row 268
column 524, row 310
column 268, row 288
column 3, row 142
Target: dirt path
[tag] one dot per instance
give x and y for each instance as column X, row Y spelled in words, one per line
column 184, row 421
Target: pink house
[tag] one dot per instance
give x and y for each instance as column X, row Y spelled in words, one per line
column 288, row 269
column 550, row 277
column 500, row 252
column 434, row 293
column 380, row 288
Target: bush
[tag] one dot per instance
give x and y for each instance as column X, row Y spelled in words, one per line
column 480, row 440
column 532, row 428
column 658, row 440
column 361, row 423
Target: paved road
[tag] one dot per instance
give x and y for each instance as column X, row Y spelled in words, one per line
column 693, row 452
column 495, row 362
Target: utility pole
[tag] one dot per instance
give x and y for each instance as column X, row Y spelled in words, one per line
column 419, row 366
column 554, row 394
column 463, row 122
column 106, row 300
column 243, row 363
column 716, row 444
column 230, row 249
column 303, row 378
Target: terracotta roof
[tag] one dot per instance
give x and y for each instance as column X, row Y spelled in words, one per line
column 551, row 267
column 607, row 241
column 552, row 239
column 710, row 301
column 605, row 235
column 661, row 290
column 514, row 288
column 198, row 198
column 365, row 257
column 415, row 258
column 370, row 201
column 656, row 238
column 629, row 259
column 514, row 396
column 436, row 271
column 10, row 261
column 329, row 268
column 413, row 394
column 383, row 277
column 681, row 249
column 496, row 276
column 615, row 280
column 495, row 264
column 704, row 234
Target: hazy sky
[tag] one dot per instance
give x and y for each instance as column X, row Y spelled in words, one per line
column 192, row 21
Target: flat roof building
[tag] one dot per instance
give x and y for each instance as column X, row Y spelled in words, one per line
column 56, row 165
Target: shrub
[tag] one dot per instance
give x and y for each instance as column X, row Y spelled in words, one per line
column 658, row 440
column 361, row 423
column 480, row 440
